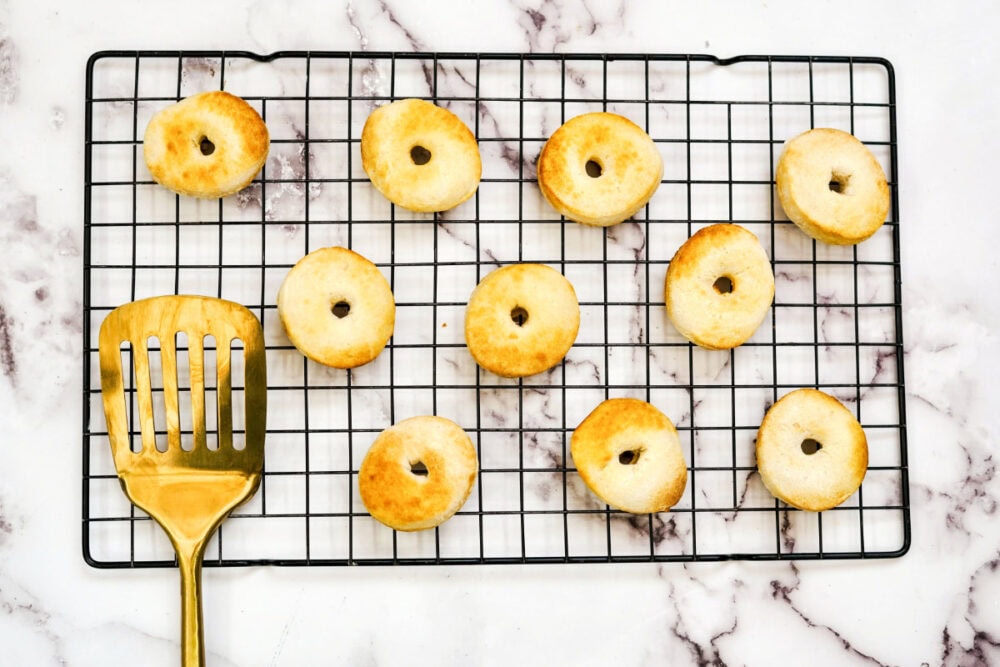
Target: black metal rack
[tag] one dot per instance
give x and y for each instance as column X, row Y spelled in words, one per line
column 836, row 322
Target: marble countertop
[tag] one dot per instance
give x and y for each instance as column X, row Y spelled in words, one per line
column 938, row 604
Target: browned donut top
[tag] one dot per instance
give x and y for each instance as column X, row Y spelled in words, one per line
column 418, row 473
column 811, row 451
column 208, row 145
column 599, row 169
column 719, row 286
column 629, row 455
column 521, row 320
column 420, row 156
column 832, row 187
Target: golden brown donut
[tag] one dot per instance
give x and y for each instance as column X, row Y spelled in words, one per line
column 208, row 145
column 337, row 308
column 832, row 187
column 811, row 451
column 599, row 169
column 719, row 286
column 418, row 473
column 420, row 156
column 521, row 319
column 629, row 454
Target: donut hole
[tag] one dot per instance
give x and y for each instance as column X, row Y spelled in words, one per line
column 629, row 457
column 419, row 468
column 420, row 155
column 594, row 168
column 723, row 284
column 839, row 181
column 206, row 146
column 340, row 309
column 519, row 316
column 810, row 446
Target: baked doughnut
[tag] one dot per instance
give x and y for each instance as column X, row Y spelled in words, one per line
column 208, row 145
column 832, row 187
column 337, row 308
column 418, row 473
column 420, row 156
column 811, row 451
column 629, row 454
column 599, row 169
column 521, row 319
column 719, row 286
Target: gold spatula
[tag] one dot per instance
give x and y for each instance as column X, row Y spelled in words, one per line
column 187, row 491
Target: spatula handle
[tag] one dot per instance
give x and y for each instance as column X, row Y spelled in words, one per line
column 192, row 637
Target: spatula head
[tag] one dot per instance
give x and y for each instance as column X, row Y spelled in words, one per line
column 188, row 491
column 163, row 318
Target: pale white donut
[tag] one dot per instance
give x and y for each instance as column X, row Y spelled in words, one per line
column 418, row 473
column 178, row 157
column 337, row 308
column 832, row 187
column 791, row 465
column 390, row 154
column 625, row 169
column 705, row 308
column 629, row 455
column 521, row 320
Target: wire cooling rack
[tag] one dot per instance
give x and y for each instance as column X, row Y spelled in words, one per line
column 719, row 124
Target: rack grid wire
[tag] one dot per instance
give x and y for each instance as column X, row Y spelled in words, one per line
column 720, row 124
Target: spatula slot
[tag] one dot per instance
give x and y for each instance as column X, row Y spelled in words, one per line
column 211, row 393
column 237, row 369
column 129, row 396
column 156, row 393
column 187, row 367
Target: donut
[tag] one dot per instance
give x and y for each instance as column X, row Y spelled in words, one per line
column 418, row 473
column 337, row 308
column 208, row 145
column 599, row 169
column 832, row 187
column 629, row 455
column 811, row 451
column 719, row 286
column 420, row 156
column 521, row 320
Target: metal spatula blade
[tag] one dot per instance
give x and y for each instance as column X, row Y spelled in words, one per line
column 188, row 491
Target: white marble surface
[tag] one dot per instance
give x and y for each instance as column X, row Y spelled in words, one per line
column 936, row 605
